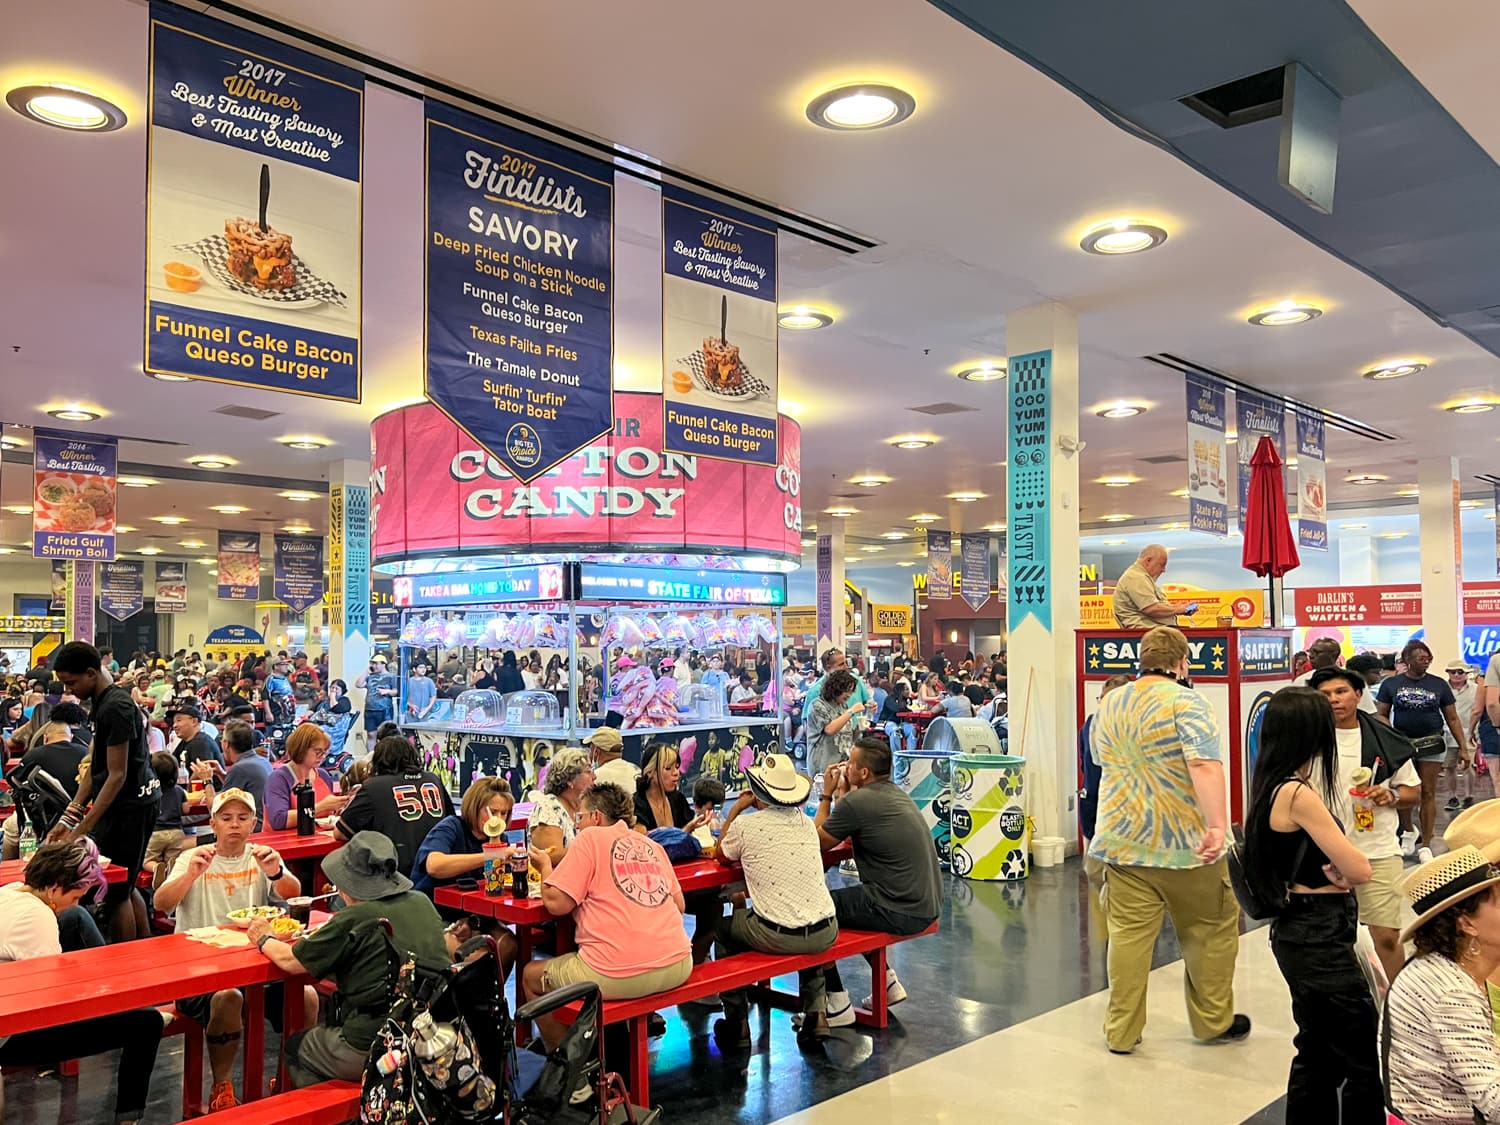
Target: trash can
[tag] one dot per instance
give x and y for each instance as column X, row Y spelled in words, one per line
column 924, row 776
column 988, row 818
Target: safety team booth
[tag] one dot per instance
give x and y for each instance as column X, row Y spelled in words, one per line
column 1235, row 670
column 620, row 558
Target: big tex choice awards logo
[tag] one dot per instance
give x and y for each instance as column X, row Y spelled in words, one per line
column 523, row 445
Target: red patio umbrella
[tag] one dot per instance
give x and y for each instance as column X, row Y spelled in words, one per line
column 1270, row 548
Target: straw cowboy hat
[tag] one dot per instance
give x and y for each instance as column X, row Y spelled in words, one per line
column 1479, row 827
column 776, row 781
column 1441, row 882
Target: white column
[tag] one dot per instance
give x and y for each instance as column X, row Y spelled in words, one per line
column 349, row 573
column 1041, row 635
column 1356, row 560
column 1441, row 554
column 829, row 566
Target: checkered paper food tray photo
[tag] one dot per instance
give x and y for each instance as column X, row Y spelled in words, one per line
column 214, row 250
column 750, row 386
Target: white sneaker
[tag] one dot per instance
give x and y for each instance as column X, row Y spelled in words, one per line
column 840, row 1010
column 1408, row 843
column 895, row 991
column 1424, row 855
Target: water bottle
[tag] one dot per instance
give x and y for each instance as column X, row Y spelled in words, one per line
column 28, row 843
column 306, row 811
column 815, row 795
column 433, row 1043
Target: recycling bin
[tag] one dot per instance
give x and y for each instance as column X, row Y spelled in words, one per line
column 924, row 776
column 988, row 818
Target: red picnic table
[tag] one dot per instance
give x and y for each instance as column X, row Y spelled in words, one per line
column 919, row 721
column 49, row 991
column 11, row 871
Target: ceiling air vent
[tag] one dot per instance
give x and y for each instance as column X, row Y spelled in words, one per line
column 1241, row 102
column 1165, row 459
column 935, row 408
column 249, row 413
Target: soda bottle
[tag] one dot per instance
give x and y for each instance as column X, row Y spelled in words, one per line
column 28, row 843
column 519, row 864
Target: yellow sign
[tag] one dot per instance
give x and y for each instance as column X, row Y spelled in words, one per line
column 890, row 618
column 799, row 619
column 1216, row 608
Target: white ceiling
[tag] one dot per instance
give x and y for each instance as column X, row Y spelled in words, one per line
column 977, row 202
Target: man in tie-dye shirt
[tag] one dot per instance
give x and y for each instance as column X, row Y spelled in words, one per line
column 1160, row 832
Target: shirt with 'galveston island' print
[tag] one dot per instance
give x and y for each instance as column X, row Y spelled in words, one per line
column 1144, row 736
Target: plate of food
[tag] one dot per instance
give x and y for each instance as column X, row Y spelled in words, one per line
column 286, row 929
column 247, row 914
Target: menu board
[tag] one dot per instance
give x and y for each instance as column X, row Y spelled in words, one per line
column 519, row 333
column 171, row 587
column 719, row 333
column 239, row 566
column 122, row 588
column 253, row 210
column 73, row 502
column 298, row 571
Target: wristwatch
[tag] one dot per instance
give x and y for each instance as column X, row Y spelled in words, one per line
column 280, row 874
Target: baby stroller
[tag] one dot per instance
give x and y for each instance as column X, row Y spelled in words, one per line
column 338, row 759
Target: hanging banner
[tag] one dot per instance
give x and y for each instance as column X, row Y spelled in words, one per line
column 122, row 588
column 719, row 333
column 253, row 210
column 1497, row 529
column 298, row 571
column 974, row 580
column 1257, row 415
column 825, row 585
column 73, row 506
column 59, row 603
column 171, row 587
column 1312, row 484
column 940, row 563
column 520, row 290
column 349, row 521
column 79, row 617
column 1029, row 527
column 239, row 566
column 1208, row 468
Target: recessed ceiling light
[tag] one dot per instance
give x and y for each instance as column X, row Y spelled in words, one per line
column 1173, row 526
column 1114, row 542
column 1179, row 493
column 210, row 461
column 1287, row 312
column 8, row 442
column 1117, row 482
column 1395, row 369
column 912, row 441
column 983, row 373
column 191, row 543
column 207, row 560
column 841, row 510
column 1365, row 478
column 7, row 550
column 136, row 482
column 906, row 562
column 871, row 548
column 893, row 535
column 965, row 497
column 1353, row 526
column 167, row 377
column 1470, row 406
column 1232, row 436
column 1122, row 236
column 995, row 527
column 298, row 497
column 74, row 413
column 870, row 482
column 1409, row 490
column 66, row 107
column 149, row 551
column 1121, row 410
column 19, row 509
column 228, row 509
column 1117, row 517
column 304, row 441
column 1393, row 534
column 119, row 527
column 172, row 520
column 801, row 318
column 925, row 517
column 1489, row 515
column 865, row 105
column 296, row 528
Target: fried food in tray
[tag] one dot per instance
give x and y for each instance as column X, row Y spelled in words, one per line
column 262, row 258
column 721, row 362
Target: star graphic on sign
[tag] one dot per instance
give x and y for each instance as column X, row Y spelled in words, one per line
column 1093, row 661
column 1218, row 650
column 1093, row 650
column 1218, row 665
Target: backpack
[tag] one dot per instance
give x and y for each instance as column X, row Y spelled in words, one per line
column 1252, row 903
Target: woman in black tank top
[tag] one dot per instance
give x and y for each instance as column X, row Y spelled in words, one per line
column 1296, row 850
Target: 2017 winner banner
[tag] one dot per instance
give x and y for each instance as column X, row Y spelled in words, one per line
column 253, row 210
column 298, row 571
column 520, row 290
column 719, row 334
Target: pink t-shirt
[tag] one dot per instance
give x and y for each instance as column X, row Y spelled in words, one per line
column 623, row 884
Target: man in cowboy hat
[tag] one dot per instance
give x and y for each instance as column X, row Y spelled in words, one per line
column 608, row 748
column 793, row 911
column 349, row 950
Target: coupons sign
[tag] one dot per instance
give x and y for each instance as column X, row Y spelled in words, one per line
column 1312, row 483
column 520, row 290
column 298, row 571
column 122, row 588
column 719, row 333
column 940, row 563
column 1208, row 464
column 974, row 580
column 171, row 587
column 239, row 566
column 253, row 210
column 1258, row 415
column 73, row 503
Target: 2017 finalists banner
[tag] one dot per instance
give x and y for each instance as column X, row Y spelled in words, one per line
column 298, row 571
column 73, row 502
column 239, row 566
column 974, row 558
column 1208, row 468
column 253, row 210
column 1312, row 484
column 122, row 588
column 719, row 332
column 519, row 298
column 940, row 562
column 1258, row 416
column 171, row 587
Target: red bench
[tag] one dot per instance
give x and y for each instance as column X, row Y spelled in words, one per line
column 327, row 1103
column 742, row 971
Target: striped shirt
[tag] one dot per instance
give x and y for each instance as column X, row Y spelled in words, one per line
column 1144, row 736
column 1444, row 1061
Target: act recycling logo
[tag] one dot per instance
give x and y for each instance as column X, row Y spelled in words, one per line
column 1012, row 824
column 963, row 823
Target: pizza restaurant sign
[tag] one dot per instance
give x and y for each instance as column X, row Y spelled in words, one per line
column 1386, row 605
